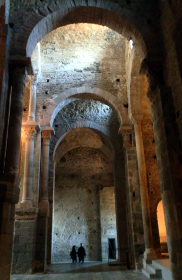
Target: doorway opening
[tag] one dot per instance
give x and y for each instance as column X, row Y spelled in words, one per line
column 112, row 248
column 162, row 229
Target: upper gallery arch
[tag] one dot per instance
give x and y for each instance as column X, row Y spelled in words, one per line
column 31, row 21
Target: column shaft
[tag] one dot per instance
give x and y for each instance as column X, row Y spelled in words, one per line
column 42, row 229
column 121, row 207
column 149, row 252
column 32, row 102
column 28, row 136
column 10, row 182
column 46, row 133
column 18, row 76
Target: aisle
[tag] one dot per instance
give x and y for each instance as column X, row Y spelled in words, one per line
column 86, row 271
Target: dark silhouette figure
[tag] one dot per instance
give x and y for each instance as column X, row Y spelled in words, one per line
column 73, row 254
column 81, row 253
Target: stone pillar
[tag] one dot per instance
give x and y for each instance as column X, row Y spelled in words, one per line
column 26, row 214
column 28, row 134
column 23, row 261
column 17, row 79
column 149, row 251
column 44, row 201
column 3, row 80
column 169, row 154
column 134, row 203
column 8, row 198
column 135, row 211
column 41, row 244
column 9, row 183
column 120, row 185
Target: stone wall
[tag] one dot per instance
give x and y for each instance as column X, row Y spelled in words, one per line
column 153, row 183
column 77, row 56
column 76, row 220
column 108, row 219
column 76, row 208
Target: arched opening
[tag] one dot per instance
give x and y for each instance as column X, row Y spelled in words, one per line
column 83, row 81
column 143, row 23
column 162, row 229
column 84, row 157
column 84, row 202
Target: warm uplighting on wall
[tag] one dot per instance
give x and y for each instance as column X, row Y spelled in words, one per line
column 161, row 223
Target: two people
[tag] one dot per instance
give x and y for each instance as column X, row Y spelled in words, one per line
column 81, row 254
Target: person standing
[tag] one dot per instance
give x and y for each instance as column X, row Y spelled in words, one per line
column 81, row 253
column 73, row 255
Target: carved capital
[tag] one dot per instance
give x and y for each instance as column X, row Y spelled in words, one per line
column 46, row 133
column 29, row 129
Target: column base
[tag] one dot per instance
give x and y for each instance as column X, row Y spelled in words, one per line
column 24, row 241
column 41, row 244
column 26, row 204
column 149, row 255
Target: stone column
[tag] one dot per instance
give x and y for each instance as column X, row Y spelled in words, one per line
column 42, row 229
column 26, row 212
column 32, row 101
column 17, row 79
column 44, row 201
column 169, row 154
column 134, row 211
column 8, row 198
column 9, row 183
column 126, row 131
column 28, row 135
column 120, row 186
column 3, row 80
column 149, row 251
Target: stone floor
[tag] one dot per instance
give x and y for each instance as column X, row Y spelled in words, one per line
column 86, row 271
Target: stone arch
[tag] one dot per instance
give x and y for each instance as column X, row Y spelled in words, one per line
column 86, row 92
column 83, row 137
column 48, row 15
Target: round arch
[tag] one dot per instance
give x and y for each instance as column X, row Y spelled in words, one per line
column 40, row 18
column 106, row 14
column 86, row 92
column 83, row 137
